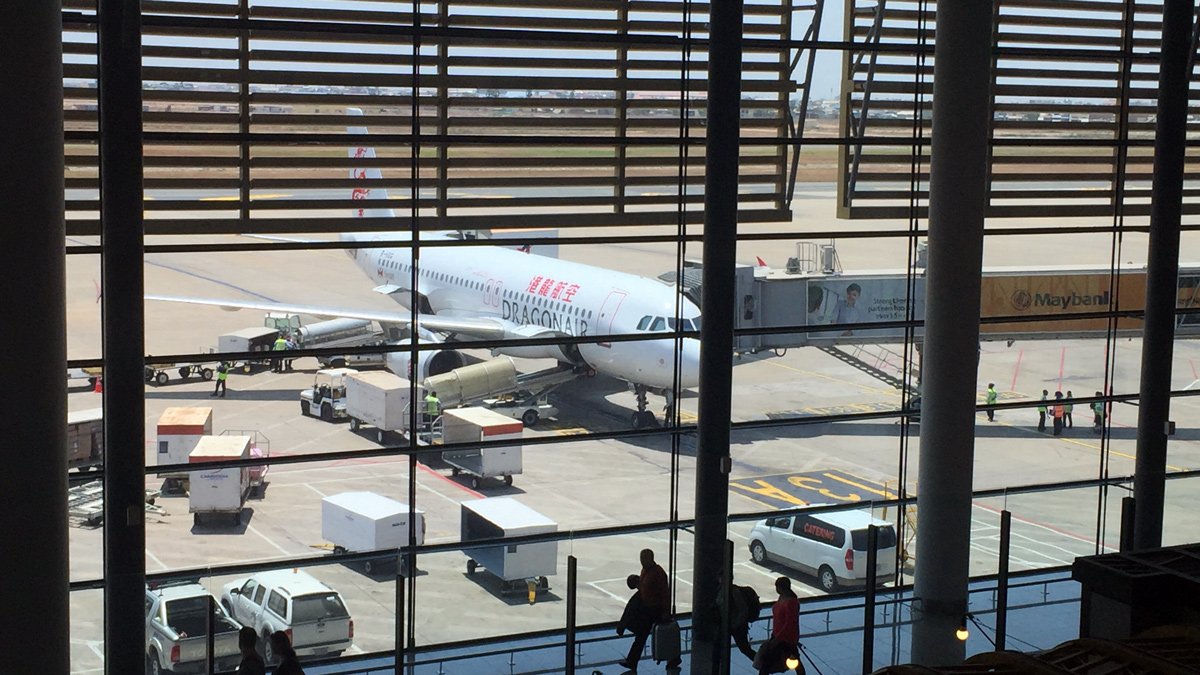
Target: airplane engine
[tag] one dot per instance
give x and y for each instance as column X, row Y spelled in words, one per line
column 428, row 363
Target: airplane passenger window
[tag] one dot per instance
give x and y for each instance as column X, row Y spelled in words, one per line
column 644, row 323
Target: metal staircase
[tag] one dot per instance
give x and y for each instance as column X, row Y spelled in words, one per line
column 878, row 361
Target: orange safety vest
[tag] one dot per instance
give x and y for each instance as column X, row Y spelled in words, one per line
column 1056, row 410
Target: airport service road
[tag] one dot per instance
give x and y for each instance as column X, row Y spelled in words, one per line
column 585, row 484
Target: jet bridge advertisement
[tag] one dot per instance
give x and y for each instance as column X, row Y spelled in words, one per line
column 847, row 301
column 855, row 302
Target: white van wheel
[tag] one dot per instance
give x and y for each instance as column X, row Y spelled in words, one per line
column 758, row 552
column 827, row 579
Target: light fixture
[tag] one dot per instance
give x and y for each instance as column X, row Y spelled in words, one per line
column 792, row 663
column 962, row 633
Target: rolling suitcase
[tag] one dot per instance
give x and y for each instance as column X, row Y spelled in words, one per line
column 665, row 642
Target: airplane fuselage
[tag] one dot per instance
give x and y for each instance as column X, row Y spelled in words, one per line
column 537, row 297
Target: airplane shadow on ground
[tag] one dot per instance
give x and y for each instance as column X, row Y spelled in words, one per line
column 290, row 394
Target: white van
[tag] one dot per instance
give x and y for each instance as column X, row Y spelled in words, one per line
column 832, row 546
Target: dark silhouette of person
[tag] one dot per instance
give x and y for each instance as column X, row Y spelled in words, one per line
column 785, row 631
column 252, row 663
column 743, row 608
column 289, row 664
column 635, row 618
column 654, row 593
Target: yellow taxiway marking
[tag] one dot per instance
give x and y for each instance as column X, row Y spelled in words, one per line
column 854, row 483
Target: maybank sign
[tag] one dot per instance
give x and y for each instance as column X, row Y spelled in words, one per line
column 1072, row 300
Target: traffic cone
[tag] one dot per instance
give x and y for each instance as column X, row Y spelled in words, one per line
column 99, row 388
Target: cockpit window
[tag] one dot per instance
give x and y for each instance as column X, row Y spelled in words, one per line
column 644, row 322
column 659, row 324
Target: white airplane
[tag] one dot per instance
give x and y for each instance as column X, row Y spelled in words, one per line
column 493, row 293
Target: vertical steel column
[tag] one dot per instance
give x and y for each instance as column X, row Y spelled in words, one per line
column 1162, row 271
column 572, row 579
column 869, row 599
column 716, row 333
column 33, row 351
column 957, row 198
column 123, row 325
column 1002, row 580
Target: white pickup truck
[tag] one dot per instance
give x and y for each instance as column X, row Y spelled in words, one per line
column 177, row 631
column 311, row 613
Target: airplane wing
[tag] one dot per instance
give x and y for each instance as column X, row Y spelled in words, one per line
column 481, row 328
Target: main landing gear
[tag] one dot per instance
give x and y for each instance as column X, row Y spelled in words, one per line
column 642, row 418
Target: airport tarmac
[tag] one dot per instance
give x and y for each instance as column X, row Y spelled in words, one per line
column 583, row 484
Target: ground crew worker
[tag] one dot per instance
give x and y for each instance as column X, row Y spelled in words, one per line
column 432, row 407
column 222, row 375
column 1068, row 406
column 1098, row 416
column 280, row 345
column 1057, row 411
column 1042, row 411
column 991, row 400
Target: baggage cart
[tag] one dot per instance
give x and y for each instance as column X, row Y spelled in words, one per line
column 179, row 430
column 520, row 568
column 355, row 522
column 260, row 339
column 85, row 439
column 379, row 399
column 476, row 425
column 214, row 492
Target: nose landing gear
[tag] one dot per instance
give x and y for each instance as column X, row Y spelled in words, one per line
column 642, row 418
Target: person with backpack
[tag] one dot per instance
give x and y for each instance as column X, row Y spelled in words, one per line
column 744, row 608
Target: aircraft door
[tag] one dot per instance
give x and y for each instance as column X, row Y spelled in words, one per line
column 608, row 312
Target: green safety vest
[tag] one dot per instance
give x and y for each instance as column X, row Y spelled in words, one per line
column 222, row 374
column 991, row 396
column 280, row 344
column 1042, row 407
column 431, row 405
column 1068, row 407
column 1098, row 408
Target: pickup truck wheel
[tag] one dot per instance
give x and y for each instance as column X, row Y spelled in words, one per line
column 529, row 417
column 758, row 552
column 355, row 425
column 152, row 665
column 268, row 654
column 326, row 412
column 161, row 378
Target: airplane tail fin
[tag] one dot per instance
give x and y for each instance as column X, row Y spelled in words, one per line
column 365, row 174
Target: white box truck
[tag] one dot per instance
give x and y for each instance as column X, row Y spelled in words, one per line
column 379, row 399
column 477, row 425
column 356, row 522
column 520, row 567
column 179, row 430
column 219, row 491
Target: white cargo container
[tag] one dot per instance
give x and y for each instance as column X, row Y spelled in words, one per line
column 258, row 339
column 179, row 430
column 379, row 399
column 475, row 425
column 519, row 567
column 364, row 521
column 219, row 490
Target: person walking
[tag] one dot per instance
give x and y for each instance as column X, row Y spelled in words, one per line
column 433, row 407
column 1042, row 411
column 785, row 632
column 289, row 663
column 290, row 343
column 222, row 375
column 1056, row 411
column 1068, row 407
column 991, row 400
column 744, row 606
column 1098, row 415
column 279, row 346
column 252, row 663
column 654, row 591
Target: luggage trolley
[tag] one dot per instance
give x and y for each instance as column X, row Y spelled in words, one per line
column 522, row 567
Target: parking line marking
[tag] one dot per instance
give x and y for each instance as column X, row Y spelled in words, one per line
column 477, row 495
column 250, row 528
